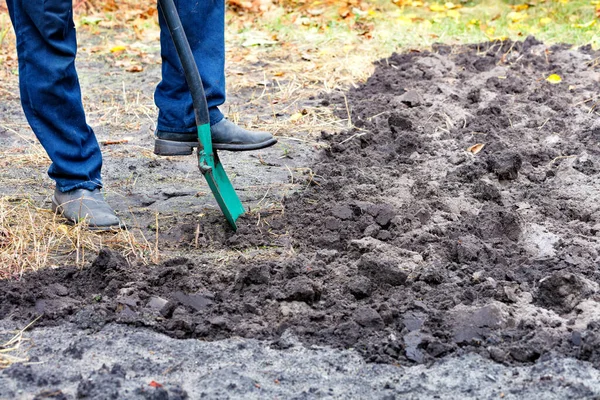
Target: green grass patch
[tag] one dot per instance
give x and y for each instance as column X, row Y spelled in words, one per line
column 421, row 23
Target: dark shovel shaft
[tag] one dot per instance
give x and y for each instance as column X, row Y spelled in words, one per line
column 190, row 69
column 208, row 160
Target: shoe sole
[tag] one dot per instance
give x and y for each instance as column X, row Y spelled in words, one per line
column 173, row 148
column 57, row 209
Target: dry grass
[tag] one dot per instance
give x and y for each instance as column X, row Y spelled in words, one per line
column 13, row 351
column 32, row 238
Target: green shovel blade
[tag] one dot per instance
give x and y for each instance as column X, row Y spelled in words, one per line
column 217, row 179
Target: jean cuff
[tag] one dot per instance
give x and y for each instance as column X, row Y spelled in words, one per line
column 89, row 185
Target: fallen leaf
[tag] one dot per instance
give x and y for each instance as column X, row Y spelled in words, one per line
column 113, row 142
column 155, row 384
column 135, row 68
column 554, row 79
column 296, row 116
column 85, row 20
column 258, row 39
column 118, row 49
column 453, row 14
column 476, row 148
column 520, row 7
column 516, row 16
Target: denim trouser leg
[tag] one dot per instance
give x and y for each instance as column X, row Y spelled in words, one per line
column 204, row 24
column 50, row 93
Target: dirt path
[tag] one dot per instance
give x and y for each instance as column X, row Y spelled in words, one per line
column 402, row 241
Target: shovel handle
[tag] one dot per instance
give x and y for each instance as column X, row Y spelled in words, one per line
column 190, row 69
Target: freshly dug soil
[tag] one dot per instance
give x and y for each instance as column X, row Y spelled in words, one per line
column 404, row 245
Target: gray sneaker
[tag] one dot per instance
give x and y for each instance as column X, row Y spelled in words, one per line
column 225, row 136
column 85, row 205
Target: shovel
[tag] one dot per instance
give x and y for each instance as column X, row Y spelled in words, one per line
column 208, row 159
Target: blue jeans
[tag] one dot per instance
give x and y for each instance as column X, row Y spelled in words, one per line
column 51, row 95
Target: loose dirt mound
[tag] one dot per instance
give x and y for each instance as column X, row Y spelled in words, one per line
column 405, row 245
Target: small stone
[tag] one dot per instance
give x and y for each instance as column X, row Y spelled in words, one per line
column 399, row 123
column 368, row 318
column 487, row 192
column 342, row 212
column 372, row 230
column 506, row 166
column 300, row 288
column 198, row 302
column 360, row 287
column 219, row 322
column 382, row 269
column 563, row 290
column 285, row 310
column 385, row 216
column 167, row 310
column 411, row 98
column 496, row 354
column 384, row 235
column 473, row 324
column 156, row 303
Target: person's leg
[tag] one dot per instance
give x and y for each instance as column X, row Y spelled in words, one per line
column 50, row 93
column 51, row 100
column 204, row 24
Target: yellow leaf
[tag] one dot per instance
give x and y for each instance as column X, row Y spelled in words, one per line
column 516, row 16
column 118, row 49
column 404, row 20
column 476, row 148
column 453, row 14
column 521, row 7
column 554, row 79
column 63, row 229
column 437, row 8
column 545, row 21
column 586, row 25
column 450, row 6
column 474, row 22
column 296, row 116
